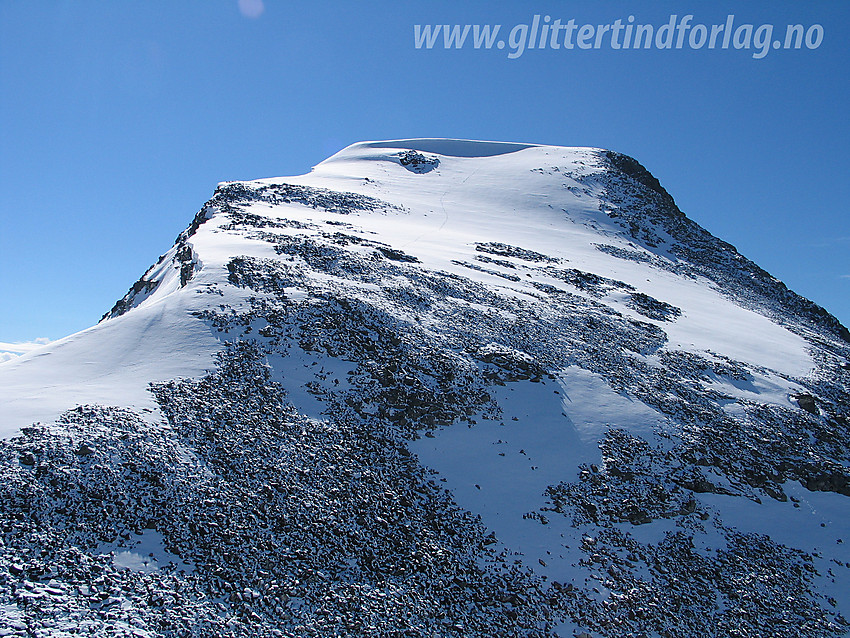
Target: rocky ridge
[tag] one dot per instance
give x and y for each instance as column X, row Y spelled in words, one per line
column 281, row 490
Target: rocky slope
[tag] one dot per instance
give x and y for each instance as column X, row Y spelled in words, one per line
column 435, row 388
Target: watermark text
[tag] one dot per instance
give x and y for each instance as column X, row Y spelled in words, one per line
column 542, row 32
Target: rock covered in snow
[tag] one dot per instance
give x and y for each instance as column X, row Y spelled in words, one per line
column 435, row 387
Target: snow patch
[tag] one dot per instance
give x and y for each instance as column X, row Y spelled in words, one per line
column 500, row 469
column 143, row 553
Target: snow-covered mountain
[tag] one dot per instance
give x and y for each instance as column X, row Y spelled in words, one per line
column 435, row 388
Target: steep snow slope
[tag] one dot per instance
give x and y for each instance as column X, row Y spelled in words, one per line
column 640, row 431
column 480, row 192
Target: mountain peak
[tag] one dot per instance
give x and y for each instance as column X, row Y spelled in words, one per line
column 441, row 387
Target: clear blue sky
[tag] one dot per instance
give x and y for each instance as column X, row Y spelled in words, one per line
column 117, row 119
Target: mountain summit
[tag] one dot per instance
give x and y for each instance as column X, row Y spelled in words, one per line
column 435, row 388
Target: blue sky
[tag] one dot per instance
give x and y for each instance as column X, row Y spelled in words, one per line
column 117, row 119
